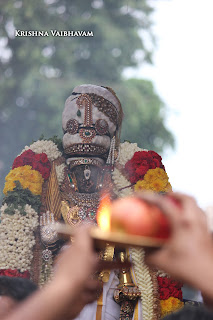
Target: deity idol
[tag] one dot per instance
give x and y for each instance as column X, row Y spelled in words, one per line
column 47, row 184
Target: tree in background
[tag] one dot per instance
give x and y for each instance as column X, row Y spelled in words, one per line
column 144, row 115
column 37, row 74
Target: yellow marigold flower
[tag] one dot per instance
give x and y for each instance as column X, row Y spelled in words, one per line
column 156, row 180
column 170, row 305
column 11, row 175
column 156, row 173
column 34, row 177
column 17, row 172
column 161, row 173
column 140, row 185
column 35, row 188
column 158, row 185
column 150, row 175
column 28, row 178
column 9, row 186
column 24, row 169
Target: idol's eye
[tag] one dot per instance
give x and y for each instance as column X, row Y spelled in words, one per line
column 101, row 127
column 72, row 126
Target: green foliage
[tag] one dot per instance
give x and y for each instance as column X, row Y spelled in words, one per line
column 19, row 197
column 144, row 115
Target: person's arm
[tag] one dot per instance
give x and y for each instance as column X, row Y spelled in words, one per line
column 73, row 285
column 75, row 265
column 188, row 254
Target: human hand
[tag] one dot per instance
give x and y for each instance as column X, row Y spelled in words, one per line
column 78, row 260
column 190, row 246
column 83, row 258
column 69, row 284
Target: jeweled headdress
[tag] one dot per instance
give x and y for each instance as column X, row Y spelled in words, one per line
column 91, row 121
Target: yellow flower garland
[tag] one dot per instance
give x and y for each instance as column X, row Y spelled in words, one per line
column 155, row 180
column 170, row 305
column 28, row 178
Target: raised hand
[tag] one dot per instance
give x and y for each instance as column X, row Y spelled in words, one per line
column 47, row 230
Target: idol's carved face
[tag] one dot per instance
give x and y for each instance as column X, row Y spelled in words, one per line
column 89, row 121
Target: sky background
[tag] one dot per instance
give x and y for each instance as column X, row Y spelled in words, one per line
column 182, row 75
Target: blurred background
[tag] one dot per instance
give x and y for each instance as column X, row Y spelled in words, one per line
column 155, row 54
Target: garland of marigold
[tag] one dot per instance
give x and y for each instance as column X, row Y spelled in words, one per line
column 170, row 295
column 143, row 277
column 170, row 305
column 146, row 172
column 19, row 212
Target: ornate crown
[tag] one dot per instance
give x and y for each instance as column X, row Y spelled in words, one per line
column 91, row 121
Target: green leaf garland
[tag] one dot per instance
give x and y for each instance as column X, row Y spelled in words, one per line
column 19, row 197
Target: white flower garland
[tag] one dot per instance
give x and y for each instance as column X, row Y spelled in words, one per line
column 126, row 152
column 17, row 238
column 17, row 230
column 120, row 181
column 141, row 270
column 144, row 282
column 46, row 146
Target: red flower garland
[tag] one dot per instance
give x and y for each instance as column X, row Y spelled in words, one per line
column 38, row 162
column 141, row 162
column 169, row 288
column 14, row 273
